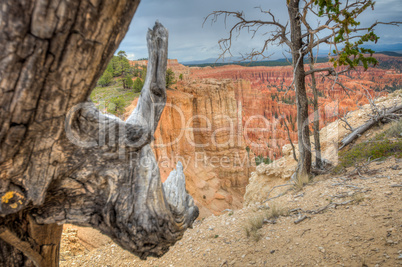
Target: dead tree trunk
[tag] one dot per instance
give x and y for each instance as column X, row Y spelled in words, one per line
column 304, row 163
column 42, row 250
column 316, row 123
column 61, row 160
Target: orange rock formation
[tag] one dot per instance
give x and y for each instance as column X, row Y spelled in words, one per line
column 213, row 114
column 267, row 103
column 201, row 126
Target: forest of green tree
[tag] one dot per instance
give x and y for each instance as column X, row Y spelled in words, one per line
column 119, row 69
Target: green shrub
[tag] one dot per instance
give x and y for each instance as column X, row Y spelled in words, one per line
column 170, row 78
column 105, row 79
column 395, row 131
column 138, row 84
column 260, row 159
column 116, row 106
column 128, row 82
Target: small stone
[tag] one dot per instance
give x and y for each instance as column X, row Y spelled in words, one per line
column 272, row 251
column 244, row 255
column 321, row 249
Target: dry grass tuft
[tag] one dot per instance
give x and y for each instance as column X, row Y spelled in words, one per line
column 252, row 226
column 359, row 197
column 301, row 181
column 275, row 212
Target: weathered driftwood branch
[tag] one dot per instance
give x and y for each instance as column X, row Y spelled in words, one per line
column 361, row 129
column 299, row 220
column 99, row 171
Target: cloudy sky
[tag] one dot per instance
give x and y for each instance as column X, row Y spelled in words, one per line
column 189, row 40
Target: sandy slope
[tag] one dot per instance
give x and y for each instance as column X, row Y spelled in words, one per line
column 365, row 231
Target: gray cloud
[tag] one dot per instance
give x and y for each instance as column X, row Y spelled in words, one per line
column 189, row 40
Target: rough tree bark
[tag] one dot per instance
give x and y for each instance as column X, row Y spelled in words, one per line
column 63, row 161
column 42, row 249
column 316, row 123
column 304, row 159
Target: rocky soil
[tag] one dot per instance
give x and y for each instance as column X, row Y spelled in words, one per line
column 361, row 226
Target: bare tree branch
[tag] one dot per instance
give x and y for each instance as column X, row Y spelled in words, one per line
column 253, row 26
column 290, row 140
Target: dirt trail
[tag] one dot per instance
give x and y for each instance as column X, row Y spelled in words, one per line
column 363, row 232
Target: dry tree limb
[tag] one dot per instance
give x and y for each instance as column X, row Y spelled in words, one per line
column 361, row 129
column 267, row 199
column 281, row 194
column 362, row 167
column 319, row 210
column 290, row 140
column 342, row 203
column 328, row 206
column 296, row 209
column 347, row 125
column 352, row 186
column 341, row 195
column 304, row 231
column 302, row 218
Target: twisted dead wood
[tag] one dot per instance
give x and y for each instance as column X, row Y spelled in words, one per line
column 63, row 161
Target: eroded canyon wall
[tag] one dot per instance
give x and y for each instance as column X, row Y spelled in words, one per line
column 201, row 126
column 268, row 104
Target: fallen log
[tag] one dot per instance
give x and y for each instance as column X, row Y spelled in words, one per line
column 372, row 122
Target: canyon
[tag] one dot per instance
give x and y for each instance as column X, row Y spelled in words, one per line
column 267, row 102
column 201, row 126
column 218, row 119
